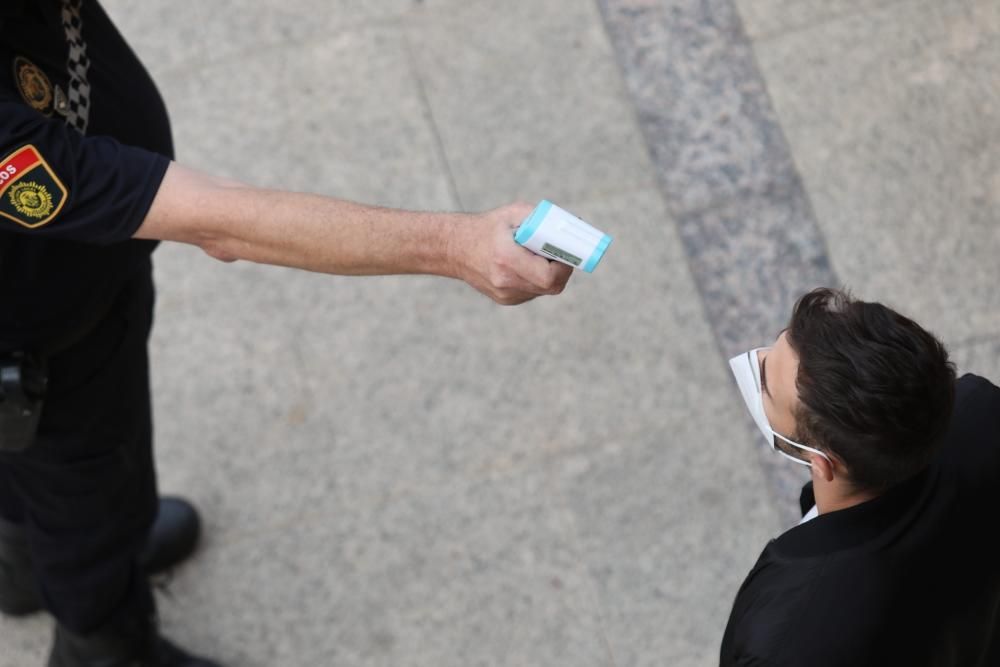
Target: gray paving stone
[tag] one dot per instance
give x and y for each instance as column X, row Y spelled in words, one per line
column 753, row 257
column 702, row 105
column 981, row 357
column 893, row 117
column 298, row 118
column 651, row 359
column 619, row 348
column 748, row 229
column 248, row 419
column 25, row 640
column 766, row 18
column 527, row 100
column 670, row 501
column 185, row 35
column 471, row 573
column 671, row 522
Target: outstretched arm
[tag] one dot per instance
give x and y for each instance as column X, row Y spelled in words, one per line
column 231, row 220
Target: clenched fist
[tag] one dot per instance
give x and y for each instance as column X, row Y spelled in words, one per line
column 485, row 256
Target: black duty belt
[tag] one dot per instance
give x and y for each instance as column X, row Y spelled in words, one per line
column 23, row 380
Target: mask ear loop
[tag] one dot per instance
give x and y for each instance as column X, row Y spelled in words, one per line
column 800, row 446
column 793, row 458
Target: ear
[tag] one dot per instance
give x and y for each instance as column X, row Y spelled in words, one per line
column 822, row 467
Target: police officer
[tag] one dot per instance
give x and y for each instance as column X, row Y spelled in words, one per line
column 87, row 188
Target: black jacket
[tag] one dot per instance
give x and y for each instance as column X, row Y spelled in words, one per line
column 909, row 578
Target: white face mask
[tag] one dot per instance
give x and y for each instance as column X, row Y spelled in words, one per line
column 746, row 368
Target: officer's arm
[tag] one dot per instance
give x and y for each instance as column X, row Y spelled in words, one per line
column 231, row 221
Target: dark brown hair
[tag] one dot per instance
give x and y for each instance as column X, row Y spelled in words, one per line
column 875, row 388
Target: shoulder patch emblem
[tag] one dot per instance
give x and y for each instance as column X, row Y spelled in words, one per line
column 31, row 199
column 30, row 192
column 34, row 86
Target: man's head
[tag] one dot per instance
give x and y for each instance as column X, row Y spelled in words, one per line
column 864, row 385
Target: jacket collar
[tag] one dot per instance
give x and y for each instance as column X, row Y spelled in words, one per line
column 870, row 522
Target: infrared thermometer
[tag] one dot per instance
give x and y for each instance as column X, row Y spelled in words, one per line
column 557, row 234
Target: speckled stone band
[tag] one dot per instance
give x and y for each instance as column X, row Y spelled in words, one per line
column 727, row 174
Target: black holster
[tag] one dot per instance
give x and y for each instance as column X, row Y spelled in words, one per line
column 23, row 378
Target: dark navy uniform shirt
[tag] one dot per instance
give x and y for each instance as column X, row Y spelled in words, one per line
column 70, row 203
column 910, row 578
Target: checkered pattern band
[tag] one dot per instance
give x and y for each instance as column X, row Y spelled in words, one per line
column 77, row 63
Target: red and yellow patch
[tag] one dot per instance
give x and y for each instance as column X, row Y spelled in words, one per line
column 30, row 192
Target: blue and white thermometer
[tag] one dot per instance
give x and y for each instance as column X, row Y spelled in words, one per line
column 558, row 234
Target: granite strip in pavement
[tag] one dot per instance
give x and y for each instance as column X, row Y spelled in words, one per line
column 749, row 232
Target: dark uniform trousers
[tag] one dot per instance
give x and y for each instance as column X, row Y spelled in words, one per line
column 85, row 491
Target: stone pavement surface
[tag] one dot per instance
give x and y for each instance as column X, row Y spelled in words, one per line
column 393, row 471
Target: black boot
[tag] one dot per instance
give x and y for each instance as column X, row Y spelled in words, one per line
column 130, row 639
column 173, row 537
column 171, row 540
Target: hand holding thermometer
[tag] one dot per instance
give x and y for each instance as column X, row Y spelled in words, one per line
column 557, row 234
